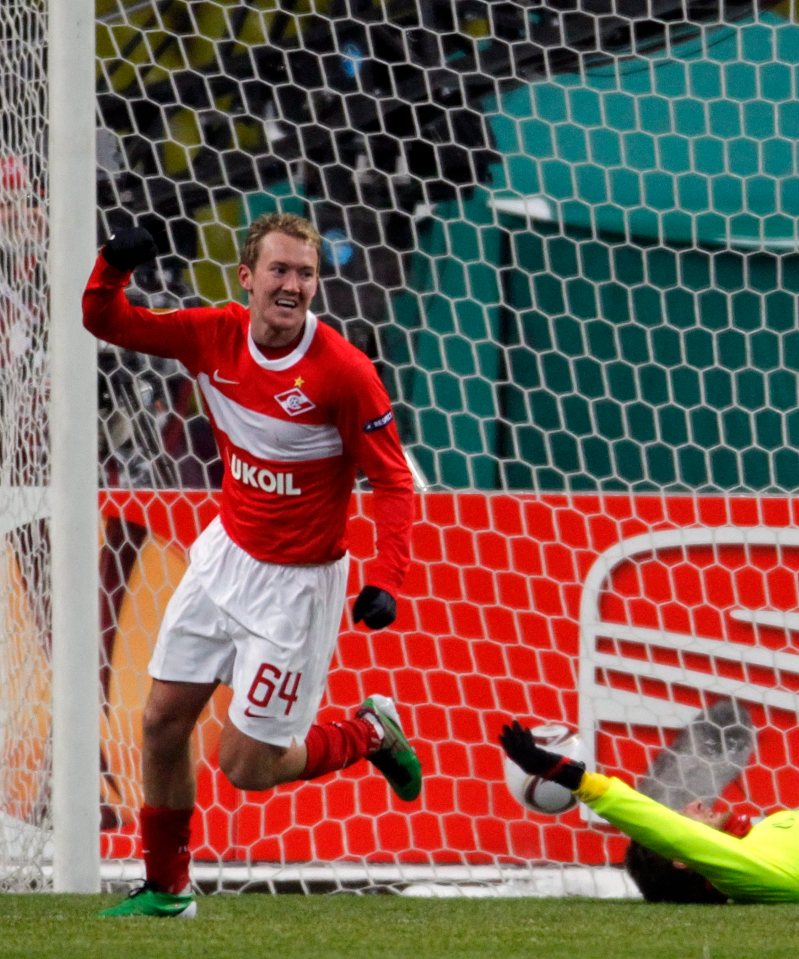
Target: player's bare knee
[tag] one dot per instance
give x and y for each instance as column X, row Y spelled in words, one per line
column 249, row 779
column 247, row 775
column 164, row 729
column 252, row 767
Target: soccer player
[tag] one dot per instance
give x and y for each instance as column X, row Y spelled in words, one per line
column 296, row 410
column 695, row 855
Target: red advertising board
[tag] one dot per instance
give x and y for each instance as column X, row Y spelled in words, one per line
column 623, row 615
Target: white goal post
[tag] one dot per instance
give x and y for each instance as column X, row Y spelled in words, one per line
column 73, row 450
column 49, row 721
column 568, row 239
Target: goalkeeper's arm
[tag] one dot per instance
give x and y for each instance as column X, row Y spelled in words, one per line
column 723, row 859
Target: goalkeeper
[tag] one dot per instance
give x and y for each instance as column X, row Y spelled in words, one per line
column 696, row 855
column 296, row 411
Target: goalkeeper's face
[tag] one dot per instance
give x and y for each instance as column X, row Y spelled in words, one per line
column 280, row 286
column 701, row 812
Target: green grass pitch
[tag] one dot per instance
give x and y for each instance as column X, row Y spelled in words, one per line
column 256, row 926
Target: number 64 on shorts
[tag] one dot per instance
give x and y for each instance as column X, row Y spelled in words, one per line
column 268, row 682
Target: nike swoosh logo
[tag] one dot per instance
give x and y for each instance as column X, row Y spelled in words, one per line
column 221, row 379
column 254, row 715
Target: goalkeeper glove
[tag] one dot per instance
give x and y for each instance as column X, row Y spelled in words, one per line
column 520, row 746
column 127, row 249
column 738, row 824
column 376, row 607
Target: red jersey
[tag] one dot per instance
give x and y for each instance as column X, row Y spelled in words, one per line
column 292, row 431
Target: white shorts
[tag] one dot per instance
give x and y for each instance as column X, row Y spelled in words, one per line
column 266, row 630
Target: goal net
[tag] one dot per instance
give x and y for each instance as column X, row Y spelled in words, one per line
column 566, row 234
column 24, row 454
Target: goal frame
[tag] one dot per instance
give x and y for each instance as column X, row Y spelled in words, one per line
column 73, row 441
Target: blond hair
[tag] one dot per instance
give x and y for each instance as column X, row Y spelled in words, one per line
column 287, row 223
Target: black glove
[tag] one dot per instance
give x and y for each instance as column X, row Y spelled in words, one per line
column 375, row 607
column 519, row 744
column 127, row 249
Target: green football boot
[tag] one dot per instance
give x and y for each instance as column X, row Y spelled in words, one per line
column 146, row 901
column 395, row 757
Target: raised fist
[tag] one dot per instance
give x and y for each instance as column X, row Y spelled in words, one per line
column 127, row 249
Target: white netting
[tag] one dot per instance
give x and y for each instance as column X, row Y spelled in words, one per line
column 24, row 455
column 567, row 235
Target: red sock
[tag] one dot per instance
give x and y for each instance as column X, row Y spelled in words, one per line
column 165, row 837
column 334, row 746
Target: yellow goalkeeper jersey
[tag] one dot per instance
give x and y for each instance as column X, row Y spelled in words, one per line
column 763, row 866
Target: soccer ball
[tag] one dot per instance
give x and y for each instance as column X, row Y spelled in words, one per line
column 537, row 794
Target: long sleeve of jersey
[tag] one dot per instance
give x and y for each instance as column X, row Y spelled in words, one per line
column 761, row 867
column 292, row 431
column 374, row 445
column 109, row 316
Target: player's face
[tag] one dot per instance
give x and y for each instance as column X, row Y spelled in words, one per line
column 280, row 286
column 703, row 813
